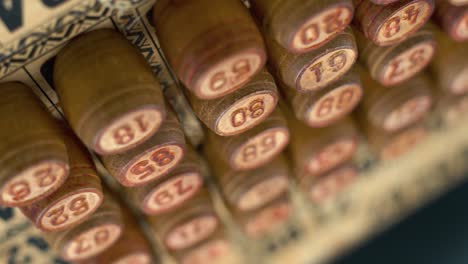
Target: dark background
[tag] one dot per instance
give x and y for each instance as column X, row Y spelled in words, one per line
column 436, row 233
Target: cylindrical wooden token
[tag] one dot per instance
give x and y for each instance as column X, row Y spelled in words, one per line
column 388, row 145
column 33, row 156
column 90, row 238
column 391, row 65
column 130, row 248
column 329, row 185
column 315, row 151
column 384, row 2
column 453, row 19
column 240, row 110
column 314, row 70
column 267, row 219
column 108, row 92
column 153, row 159
column 212, row 54
column 172, row 191
column 458, row 2
column 395, row 108
column 302, row 25
column 325, row 107
column 254, row 147
column 389, row 24
column 215, row 250
column 79, row 197
column 450, row 65
column 248, row 190
column 192, row 223
column 452, row 109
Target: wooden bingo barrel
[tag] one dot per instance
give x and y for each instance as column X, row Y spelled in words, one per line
column 212, row 54
column 130, row 248
column 452, row 109
column 240, row 110
column 450, row 65
column 248, row 190
column 458, row 2
column 301, row 25
column 315, row 151
column 173, row 190
column 267, row 219
column 392, row 145
column 389, row 24
column 327, row 186
column 33, row 156
column 391, row 65
column 93, row 236
column 254, row 147
column 153, row 159
column 314, row 70
column 79, row 197
column 395, row 108
column 111, row 112
column 217, row 249
column 329, row 105
column 192, row 223
column 452, row 19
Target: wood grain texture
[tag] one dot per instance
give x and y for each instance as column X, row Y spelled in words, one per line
column 171, row 191
column 255, row 147
column 215, row 53
column 79, row 197
column 194, row 222
column 301, row 25
column 391, row 65
column 91, row 237
column 398, row 107
column 450, row 67
column 389, row 24
column 33, row 157
column 241, row 110
column 111, row 112
column 316, row 69
column 329, row 105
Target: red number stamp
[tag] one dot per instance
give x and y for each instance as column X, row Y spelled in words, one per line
column 228, row 75
column 332, row 184
column 172, row 193
column 70, row 210
column 152, row 165
column 321, row 28
column 404, row 22
column 34, row 183
column 334, row 105
column 91, row 242
column 331, row 156
column 191, row 232
column 268, row 219
column 326, row 69
column 260, row 149
column 129, row 130
column 211, row 252
column 246, row 113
